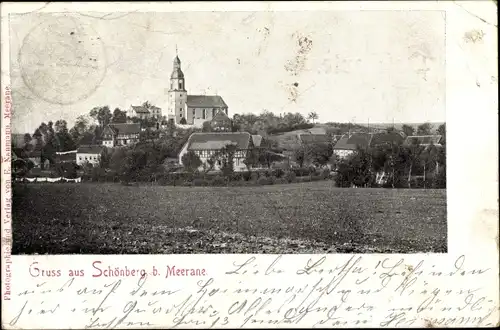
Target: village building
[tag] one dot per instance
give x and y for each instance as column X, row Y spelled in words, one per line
column 206, row 145
column 221, row 122
column 66, row 156
column 89, row 155
column 144, row 113
column 423, row 140
column 120, row 134
column 190, row 109
column 33, row 155
column 348, row 144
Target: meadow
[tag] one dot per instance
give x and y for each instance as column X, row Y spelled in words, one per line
column 313, row 217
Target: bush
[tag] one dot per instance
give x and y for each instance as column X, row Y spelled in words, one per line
column 325, row 173
column 302, row 171
column 280, row 181
column 246, row 176
column 236, row 176
column 289, row 176
column 218, row 181
column 303, row 179
column 254, row 176
column 264, row 181
column 316, row 178
column 278, row 172
column 200, row 182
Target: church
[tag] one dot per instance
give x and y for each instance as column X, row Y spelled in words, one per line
column 184, row 109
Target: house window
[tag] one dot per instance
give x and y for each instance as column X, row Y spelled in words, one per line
column 213, row 112
column 194, row 112
column 204, row 114
column 180, row 115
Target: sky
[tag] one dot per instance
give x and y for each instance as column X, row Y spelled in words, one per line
column 358, row 66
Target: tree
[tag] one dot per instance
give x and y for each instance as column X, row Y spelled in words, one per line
column 61, row 126
column 441, row 130
column 301, row 155
column 183, row 121
column 424, row 129
column 191, row 161
column 206, row 127
column 102, row 115
column 408, row 130
column 81, row 126
column 119, row 116
column 312, row 116
column 27, row 138
column 252, row 158
column 320, row 153
column 105, row 159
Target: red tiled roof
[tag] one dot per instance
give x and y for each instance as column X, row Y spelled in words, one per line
column 205, row 101
column 216, row 141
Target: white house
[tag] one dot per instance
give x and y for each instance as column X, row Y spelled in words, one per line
column 207, row 144
column 88, row 154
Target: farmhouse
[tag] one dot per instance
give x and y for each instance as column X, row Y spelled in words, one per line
column 424, row 140
column 194, row 109
column 88, row 154
column 139, row 112
column 143, row 112
column 120, row 134
column 206, row 145
column 349, row 143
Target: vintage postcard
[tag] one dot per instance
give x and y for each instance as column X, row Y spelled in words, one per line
column 249, row 165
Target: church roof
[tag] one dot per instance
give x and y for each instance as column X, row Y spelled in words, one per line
column 205, row 101
column 217, row 141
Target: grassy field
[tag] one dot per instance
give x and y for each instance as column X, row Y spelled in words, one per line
column 311, row 217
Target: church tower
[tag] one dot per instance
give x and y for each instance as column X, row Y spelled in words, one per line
column 177, row 95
